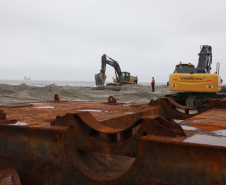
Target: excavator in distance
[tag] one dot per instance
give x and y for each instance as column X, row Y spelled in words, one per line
column 121, row 77
column 196, row 83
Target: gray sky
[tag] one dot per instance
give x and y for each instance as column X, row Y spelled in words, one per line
column 64, row 40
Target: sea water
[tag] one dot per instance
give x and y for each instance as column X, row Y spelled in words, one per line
column 42, row 83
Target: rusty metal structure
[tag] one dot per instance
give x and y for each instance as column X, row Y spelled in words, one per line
column 66, row 142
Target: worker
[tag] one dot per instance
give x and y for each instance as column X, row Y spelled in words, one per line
column 153, row 84
column 136, row 79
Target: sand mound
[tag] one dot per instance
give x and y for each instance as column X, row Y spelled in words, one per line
column 127, row 93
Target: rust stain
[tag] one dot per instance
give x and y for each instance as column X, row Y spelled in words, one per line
column 9, row 176
column 59, row 142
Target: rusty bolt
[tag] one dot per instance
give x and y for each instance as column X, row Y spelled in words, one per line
column 151, row 102
column 111, row 99
column 56, row 97
column 2, row 115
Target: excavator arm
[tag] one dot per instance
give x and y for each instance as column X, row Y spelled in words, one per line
column 100, row 78
column 107, row 60
column 205, row 58
column 204, row 63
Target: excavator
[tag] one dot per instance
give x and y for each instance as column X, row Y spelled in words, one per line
column 196, row 83
column 121, row 77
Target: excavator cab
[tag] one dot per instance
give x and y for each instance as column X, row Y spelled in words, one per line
column 125, row 77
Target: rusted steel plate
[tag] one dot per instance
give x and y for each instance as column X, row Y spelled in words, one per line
column 211, row 120
column 42, row 113
column 90, row 135
column 9, row 177
column 16, row 105
column 59, row 142
column 2, row 115
column 175, row 163
column 171, row 107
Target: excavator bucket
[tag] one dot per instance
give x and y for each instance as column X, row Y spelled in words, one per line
column 100, row 79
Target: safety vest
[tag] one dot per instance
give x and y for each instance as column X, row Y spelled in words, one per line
column 153, row 81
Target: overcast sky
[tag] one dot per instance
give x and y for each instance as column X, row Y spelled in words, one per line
column 64, row 40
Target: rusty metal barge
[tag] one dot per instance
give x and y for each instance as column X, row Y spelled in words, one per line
column 66, row 142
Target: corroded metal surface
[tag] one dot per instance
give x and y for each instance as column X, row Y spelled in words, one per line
column 59, row 142
column 42, row 113
column 171, row 107
column 211, row 120
column 9, row 177
column 2, row 115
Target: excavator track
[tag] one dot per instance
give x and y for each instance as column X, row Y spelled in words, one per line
column 195, row 99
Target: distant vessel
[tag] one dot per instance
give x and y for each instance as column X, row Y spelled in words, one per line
column 27, row 78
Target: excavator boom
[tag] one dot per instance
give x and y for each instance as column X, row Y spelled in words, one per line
column 100, row 78
column 121, row 77
column 205, row 58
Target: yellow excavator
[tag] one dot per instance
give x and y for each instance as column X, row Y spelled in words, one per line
column 196, row 82
column 121, row 77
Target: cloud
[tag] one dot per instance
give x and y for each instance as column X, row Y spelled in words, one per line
column 148, row 38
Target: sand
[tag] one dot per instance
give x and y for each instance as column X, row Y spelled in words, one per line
column 128, row 94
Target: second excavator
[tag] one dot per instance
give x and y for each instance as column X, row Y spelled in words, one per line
column 196, row 83
column 121, row 77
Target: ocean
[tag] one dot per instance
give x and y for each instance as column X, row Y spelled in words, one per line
column 42, row 83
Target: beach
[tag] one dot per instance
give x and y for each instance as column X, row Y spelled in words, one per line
column 10, row 94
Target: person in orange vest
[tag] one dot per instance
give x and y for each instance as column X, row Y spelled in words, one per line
column 153, row 84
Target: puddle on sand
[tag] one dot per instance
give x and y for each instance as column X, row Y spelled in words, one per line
column 207, row 139
column 45, row 107
column 18, row 123
column 185, row 127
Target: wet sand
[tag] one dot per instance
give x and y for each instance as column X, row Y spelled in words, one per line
column 128, row 94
